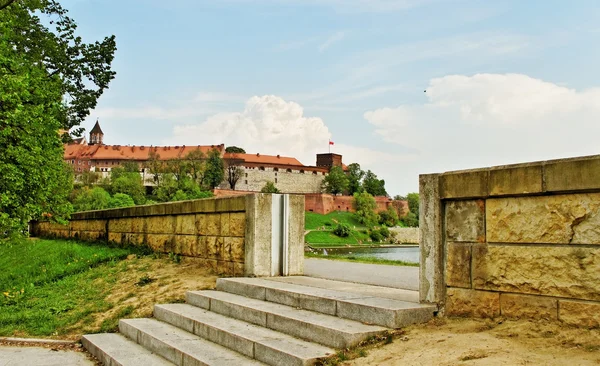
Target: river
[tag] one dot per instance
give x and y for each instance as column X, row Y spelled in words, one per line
column 406, row 254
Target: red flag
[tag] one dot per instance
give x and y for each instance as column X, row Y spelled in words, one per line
column 330, row 142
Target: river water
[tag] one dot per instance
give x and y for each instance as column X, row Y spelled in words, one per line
column 406, row 254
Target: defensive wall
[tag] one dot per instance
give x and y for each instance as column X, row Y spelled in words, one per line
column 519, row 241
column 324, row 203
column 252, row 235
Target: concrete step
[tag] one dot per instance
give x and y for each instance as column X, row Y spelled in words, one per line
column 349, row 305
column 325, row 329
column 356, row 288
column 116, row 350
column 265, row 345
column 179, row 346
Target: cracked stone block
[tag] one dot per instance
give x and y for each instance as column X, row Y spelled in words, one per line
column 560, row 219
column 527, row 306
column 465, row 221
column 570, row 272
column 458, row 265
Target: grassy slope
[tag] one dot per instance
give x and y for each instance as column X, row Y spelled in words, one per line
column 47, row 286
column 315, row 220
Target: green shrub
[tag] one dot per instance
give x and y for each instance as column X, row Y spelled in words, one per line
column 375, row 235
column 389, row 217
column 342, row 230
column 385, row 232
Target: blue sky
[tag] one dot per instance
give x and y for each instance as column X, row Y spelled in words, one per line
column 506, row 81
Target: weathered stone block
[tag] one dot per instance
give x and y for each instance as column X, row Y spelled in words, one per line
column 563, row 219
column 123, row 225
column 230, row 204
column 527, row 306
column 160, row 225
column 205, row 205
column 572, row 174
column 138, row 225
column 458, row 265
column 431, row 235
column 134, row 239
column 187, row 245
column 88, row 225
column 202, row 251
column 237, row 224
column 581, row 314
column 213, row 250
column 185, row 224
column 570, row 272
column 225, row 268
column 160, row 242
column 213, row 224
column 464, row 184
column 225, row 224
column 464, row 302
column 518, row 180
column 114, row 238
column 212, row 265
column 238, row 269
column 233, row 249
column 465, row 221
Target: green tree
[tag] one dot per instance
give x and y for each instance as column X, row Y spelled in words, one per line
column 215, row 169
column 413, row 203
column 155, row 167
column 373, row 185
column 355, row 177
column 126, row 179
column 120, row 200
column 365, row 206
column 92, row 199
column 195, row 162
column 412, row 217
column 235, row 150
column 88, row 178
column 38, row 67
column 336, row 181
column 233, row 171
column 269, row 187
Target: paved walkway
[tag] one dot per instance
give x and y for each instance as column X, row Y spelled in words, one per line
column 39, row 356
column 373, row 274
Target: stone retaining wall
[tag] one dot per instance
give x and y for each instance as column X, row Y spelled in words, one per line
column 517, row 241
column 232, row 234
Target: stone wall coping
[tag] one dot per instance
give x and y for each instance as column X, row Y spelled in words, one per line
column 206, row 205
column 576, row 174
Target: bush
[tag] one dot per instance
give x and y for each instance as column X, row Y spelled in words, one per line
column 121, row 200
column 410, row 220
column 342, row 230
column 269, row 188
column 385, row 232
column 365, row 206
column 388, row 218
column 375, row 235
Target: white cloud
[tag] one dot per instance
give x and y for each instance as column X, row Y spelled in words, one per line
column 336, row 37
column 272, row 125
column 268, row 125
column 492, row 119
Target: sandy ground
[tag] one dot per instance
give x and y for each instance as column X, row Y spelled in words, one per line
column 481, row 342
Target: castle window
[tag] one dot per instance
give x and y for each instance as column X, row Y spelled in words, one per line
column 79, row 169
column 261, row 168
column 275, row 180
column 275, row 169
column 246, row 182
column 315, row 172
column 72, row 161
column 302, row 172
column 246, row 175
column 289, row 170
column 89, row 162
column 78, row 162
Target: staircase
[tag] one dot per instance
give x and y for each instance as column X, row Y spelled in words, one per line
column 260, row 321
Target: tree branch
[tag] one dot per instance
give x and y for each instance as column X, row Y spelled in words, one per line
column 7, row 4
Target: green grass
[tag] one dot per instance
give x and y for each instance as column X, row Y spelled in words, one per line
column 329, row 239
column 48, row 286
column 352, row 258
column 314, row 221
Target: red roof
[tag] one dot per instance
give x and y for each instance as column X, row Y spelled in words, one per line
column 140, row 153
column 264, row 159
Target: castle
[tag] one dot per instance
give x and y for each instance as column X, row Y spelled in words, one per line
column 288, row 174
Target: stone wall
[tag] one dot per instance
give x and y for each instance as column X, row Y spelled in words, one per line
column 408, row 235
column 254, row 179
column 233, row 235
column 517, row 241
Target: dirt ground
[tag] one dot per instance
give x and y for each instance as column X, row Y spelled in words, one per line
column 145, row 282
column 486, row 342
